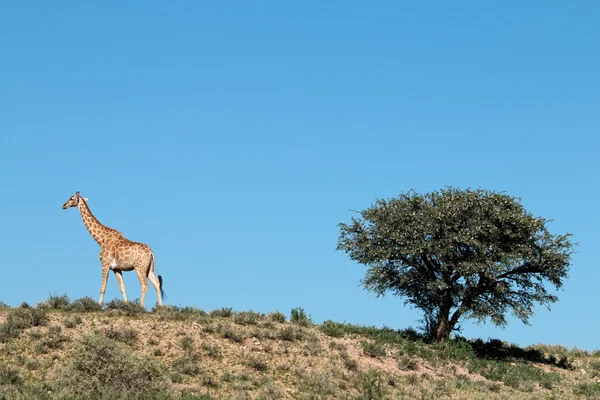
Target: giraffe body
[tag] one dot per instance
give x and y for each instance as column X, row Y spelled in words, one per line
column 119, row 254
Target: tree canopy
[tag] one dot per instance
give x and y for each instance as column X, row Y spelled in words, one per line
column 458, row 254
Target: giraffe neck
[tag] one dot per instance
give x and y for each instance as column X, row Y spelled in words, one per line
column 101, row 234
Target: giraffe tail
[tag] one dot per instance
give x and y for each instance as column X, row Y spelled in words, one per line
column 160, row 279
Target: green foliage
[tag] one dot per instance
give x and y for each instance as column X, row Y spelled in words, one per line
column 224, row 312
column 290, row 334
column 518, row 376
column 229, row 332
column 105, row 368
column 85, row 305
column 212, row 350
column 458, row 253
column 19, row 319
column 257, row 364
column 187, row 364
column 186, row 342
column 247, row 317
column 277, row 316
column 333, row 329
column 126, row 335
column 9, row 376
column 299, row 316
column 169, row 312
column 373, row 348
column 407, row 363
column 56, row 302
column 130, row 308
column 72, row 322
column 590, row 390
column 370, row 386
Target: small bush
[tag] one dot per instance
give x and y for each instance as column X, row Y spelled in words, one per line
column 290, row 333
column 104, row 368
column 187, row 364
column 229, row 332
column 58, row 302
column 9, row 376
column 371, row 385
column 333, row 329
column 349, row 362
column 373, row 349
column 277, row 316
column 186, row 343
column 32, row 364
column 72, row 322
column 222, row 313
column 85, row 305
column 247, row 317
column 299, row 316
column 589, row 390
column 257, row 364
column 130, row 308
column 407, row 363
column 213, row 351
column 126, row 335
column 19, row 319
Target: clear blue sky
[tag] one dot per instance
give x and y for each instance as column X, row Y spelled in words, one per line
column 233, row 137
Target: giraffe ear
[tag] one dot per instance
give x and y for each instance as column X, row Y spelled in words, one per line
column 84, row 198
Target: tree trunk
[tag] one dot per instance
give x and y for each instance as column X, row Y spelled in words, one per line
column 444, row 329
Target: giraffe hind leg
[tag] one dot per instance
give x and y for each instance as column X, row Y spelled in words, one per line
column 156, row 285
column 143, row 284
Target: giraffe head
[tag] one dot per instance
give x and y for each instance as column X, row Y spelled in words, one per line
column 73, row 201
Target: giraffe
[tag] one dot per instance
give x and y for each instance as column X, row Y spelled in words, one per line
column 119, row 253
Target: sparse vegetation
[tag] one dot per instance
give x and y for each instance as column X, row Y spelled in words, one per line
column 299, row 316
column 60, row 349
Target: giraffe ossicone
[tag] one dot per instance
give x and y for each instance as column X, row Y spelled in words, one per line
column 118, row 253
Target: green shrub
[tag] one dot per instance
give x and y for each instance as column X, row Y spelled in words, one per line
column 187, row 364
column 213, row 351
column 126, row 335
column 186, row 343
column 519, row 376
column 290, row 333
column 349, row 362
column 277, row 316
column 370, row 385
column 102, row 368
column 222, row 312
column 130, row 308
column 229, row 332
column 333, row 329
column 589, row 390
column 72, row 322
column 373, row 349
column 19, row 319
column 407, row 363
column 247, row 317
column 299, row 316
column 85, row 304
column 9, row 376
column 56, row 302
column 257, row 364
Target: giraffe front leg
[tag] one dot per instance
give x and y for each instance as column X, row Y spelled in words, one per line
column 119, row 276
column 105, row 270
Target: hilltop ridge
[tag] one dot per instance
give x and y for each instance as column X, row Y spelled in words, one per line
column 77, row 349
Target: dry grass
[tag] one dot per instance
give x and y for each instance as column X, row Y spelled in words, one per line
column 188, row 353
